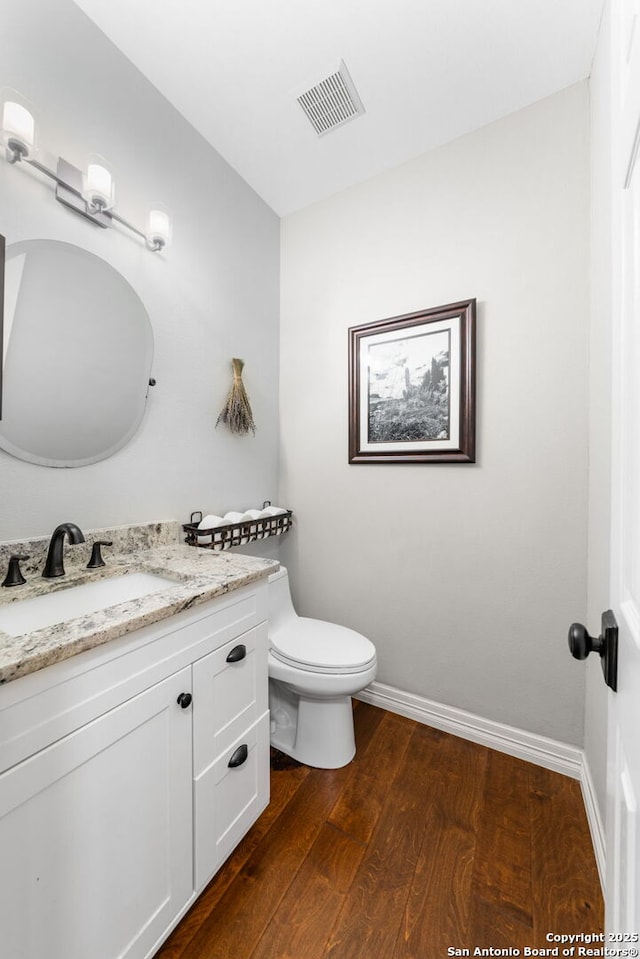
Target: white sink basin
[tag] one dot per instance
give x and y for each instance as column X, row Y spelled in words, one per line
column 25, row 616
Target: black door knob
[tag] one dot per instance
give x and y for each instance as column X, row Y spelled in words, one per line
column 581, row 643
column 606, row 645
column 184, row 700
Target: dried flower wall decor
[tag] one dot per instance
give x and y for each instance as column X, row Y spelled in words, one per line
column 236, row 412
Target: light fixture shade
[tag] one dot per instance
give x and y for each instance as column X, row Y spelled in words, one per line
column 99, row 186
column 18, row 125
column 159, row 228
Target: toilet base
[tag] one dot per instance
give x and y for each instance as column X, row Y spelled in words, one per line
column 316, row 732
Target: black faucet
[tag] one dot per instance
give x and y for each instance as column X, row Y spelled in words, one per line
column 54, row 566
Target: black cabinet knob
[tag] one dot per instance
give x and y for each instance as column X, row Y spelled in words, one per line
column 237, row 654
column 239, row 756
column 184, row 700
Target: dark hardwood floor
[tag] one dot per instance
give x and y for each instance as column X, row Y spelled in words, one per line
column 423, row 844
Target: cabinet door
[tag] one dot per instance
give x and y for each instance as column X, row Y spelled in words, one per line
column 95, row 833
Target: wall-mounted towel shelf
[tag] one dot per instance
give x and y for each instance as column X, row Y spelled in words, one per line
column 236, row 534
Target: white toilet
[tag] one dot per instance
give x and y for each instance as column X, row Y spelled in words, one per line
column 314, row 669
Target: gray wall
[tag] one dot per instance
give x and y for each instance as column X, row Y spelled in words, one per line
column 465, row 577
column 595, row 733
column 214, row 295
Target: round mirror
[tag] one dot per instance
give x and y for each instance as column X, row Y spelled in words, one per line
column 77, row 355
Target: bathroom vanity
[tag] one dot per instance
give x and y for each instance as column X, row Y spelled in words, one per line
column 131, row 765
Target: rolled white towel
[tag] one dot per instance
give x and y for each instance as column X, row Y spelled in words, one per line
column 257, row 515
column 235, row 517
column 209, row 522
column 274, row 510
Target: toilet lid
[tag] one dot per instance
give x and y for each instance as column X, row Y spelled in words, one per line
column 322, row 647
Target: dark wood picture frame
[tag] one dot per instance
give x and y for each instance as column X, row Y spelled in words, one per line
column 412, row 382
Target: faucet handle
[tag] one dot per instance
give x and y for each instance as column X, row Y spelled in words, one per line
column 96, row 556
column 14, row 575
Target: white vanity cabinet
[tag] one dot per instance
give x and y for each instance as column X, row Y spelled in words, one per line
column 95, row 833
column 120, row 795
column 231, row 738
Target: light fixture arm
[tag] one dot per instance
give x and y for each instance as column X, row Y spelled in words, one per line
column 68, row 180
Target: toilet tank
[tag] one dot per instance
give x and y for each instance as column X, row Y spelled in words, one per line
column 281, row 610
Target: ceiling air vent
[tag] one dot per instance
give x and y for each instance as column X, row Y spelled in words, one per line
column 331, row 102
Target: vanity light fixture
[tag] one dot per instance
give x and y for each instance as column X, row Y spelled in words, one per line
column 99, row 188
column 92, row 195
column 18, row 129
column 158, row 227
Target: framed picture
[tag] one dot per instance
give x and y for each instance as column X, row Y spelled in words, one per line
column 412, row 387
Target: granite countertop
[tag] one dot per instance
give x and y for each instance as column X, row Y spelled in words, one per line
column 199, row 575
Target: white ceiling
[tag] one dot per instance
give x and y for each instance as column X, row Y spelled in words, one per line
column 427, row 71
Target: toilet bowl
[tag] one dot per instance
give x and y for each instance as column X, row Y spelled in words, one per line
column 314, row 669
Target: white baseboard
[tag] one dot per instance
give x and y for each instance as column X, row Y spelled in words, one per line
column 549, row 753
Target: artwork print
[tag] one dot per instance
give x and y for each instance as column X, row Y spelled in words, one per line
column 412, row 387
column 408, row 389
